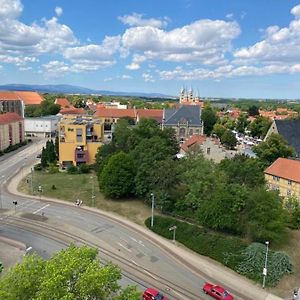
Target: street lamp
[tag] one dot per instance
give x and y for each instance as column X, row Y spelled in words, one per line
column 93, row 191
column 40, row 189
column 152, row 209
column 174, row 232
column 265, row 267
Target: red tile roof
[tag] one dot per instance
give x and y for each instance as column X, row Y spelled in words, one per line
column 114, row 113
column 156, row 114
column 9, row 117
column 285, row 168
column 197, row 139
column 5, row 95
column 72, row 111
column 63, row 102
column 30, row 98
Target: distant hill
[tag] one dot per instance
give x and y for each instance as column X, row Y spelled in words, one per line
column 71, row 89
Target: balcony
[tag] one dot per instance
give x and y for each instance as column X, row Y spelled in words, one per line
column 81, row 156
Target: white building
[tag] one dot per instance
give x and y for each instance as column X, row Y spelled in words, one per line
column 41, row 127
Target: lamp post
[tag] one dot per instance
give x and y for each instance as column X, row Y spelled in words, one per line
column 174, row 232
column 93, row 191
column 40, row 189
column 265, row 267
column 152, row 209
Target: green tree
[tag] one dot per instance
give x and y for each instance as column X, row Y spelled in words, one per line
column 264, row 216
column 103, row 154
column 253, row 110
column 275, row 146
column 242, row 169
column 260, row 126
column 56, row 146
column 219, row 129
column 228, row 139
column 209, row 118
column 241, row 123
column 44, row 158
column 116, row 179
column 73, row 273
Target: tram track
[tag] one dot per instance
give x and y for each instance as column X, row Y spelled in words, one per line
column 129, row 269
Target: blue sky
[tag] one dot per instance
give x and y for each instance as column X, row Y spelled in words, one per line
column 222, row 48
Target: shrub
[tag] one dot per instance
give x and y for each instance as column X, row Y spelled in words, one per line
column 38, row 167
column 253, row 261
column 53, row 169
column 53, row 187
column 72, row 170
column 84, row 169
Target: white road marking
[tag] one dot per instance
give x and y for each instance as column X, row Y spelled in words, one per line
column 124, row 247
column 28, row 203
column 150, row 274
column 41, row 209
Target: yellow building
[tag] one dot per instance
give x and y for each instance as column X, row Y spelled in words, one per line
column 79, row 139
column 284, row 175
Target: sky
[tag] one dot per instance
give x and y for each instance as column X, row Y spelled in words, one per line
column 219, row 48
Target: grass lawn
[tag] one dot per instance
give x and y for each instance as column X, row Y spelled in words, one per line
column 70, row 187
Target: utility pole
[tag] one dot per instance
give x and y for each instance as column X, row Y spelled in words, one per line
column 265, row 267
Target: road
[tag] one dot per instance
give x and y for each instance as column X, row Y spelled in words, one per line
column 145, row 259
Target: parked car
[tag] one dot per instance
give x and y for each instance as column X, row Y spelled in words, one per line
column 216, row 292
column 153, row 294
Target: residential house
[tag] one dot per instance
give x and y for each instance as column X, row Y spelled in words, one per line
column 16, row 101
column 186, row 120
column 289, row 130
column 79, row 139
column 112, row 115
column 284, row 175
column 46, row 126
column 11, row 130
column 156, row 114
column 210, row 147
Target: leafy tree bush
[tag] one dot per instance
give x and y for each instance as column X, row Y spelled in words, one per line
column 83, row 168
column 209, row 118
column 72, row 170
column 253, row 260
column 228, row 139
column 116, row 180
column 73, row 273
column 38, row 167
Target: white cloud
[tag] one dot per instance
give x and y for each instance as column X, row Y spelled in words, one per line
column 279, row 46
column 58, row 11
column 108, row 79
column 55, row 68
column 137, row 20
column 148, row 77
column 10, row 9
column 229, row 16
column 204, row 42
column 132, row 66
column 17, row 60
column 126, row 77
column 94, row 57
column 25, row 68
column 296, row 11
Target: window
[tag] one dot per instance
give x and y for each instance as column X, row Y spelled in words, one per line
column 288, row 193
column 79, row 135
column 208, row 151
column 276, row 178
column 289, row 182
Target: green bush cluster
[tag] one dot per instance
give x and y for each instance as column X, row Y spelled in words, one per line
column 81, row 169
column 231, row 251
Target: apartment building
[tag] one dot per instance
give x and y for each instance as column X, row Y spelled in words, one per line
column 284, row 175
column 11, row 130
column 79, row 139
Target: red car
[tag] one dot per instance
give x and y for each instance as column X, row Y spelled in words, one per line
column 153, row 294
column 216, row 291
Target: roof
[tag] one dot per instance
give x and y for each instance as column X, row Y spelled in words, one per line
column 156, row 114
column 114, row 113
column 5, row 95
column 9, row 117
column 185, row 113
column 30, row 98
column 72, row 111
column 285, row 168
column 63, row 102
column 197, row 139
column 290, row 130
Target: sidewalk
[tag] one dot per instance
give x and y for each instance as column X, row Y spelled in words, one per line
column 205, row 267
